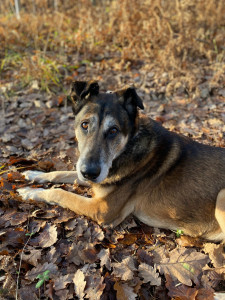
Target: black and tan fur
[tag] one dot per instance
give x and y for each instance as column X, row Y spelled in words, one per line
column 136, row 166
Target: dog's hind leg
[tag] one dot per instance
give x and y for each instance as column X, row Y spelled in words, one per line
column 220, row 209
column 56, row 177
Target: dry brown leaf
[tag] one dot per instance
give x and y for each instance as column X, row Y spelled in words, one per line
column 78, row 225
column 94, row 287
column 216, row 254
column 28, row 293
column 47, row 237
column 105, row 260
column 149, row 274
column 18, row 218
column 64, row 216
column 88, row 255
column 79, row 283
column 62, row 294
column 36, row 225
column 128, row 239
column 124, row 269
column 45, row 165
column 31, row 255
column 70, row 225
column 33, row 273
column 188, row 241
column 145, row 257
column 124, row 291
column 205, row 294
column 180, row 291
column 13, row 237
column 181, row 263
column 212, row 277
column 61, row 282
column 6, row 217
column 96, row 234
column 74, row 253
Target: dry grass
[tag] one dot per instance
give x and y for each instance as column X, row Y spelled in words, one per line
column 176, row 35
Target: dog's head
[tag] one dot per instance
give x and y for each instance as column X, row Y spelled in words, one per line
column 104, row 122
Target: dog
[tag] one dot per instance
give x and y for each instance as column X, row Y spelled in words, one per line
column 136, row 166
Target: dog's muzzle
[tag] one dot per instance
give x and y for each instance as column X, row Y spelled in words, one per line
column 90, row 172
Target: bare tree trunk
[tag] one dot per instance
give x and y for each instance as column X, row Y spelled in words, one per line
column 34, row 7
column 17, row 9
column 55, row 5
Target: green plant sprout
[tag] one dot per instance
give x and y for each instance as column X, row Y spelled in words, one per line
column 179, row 232
column 42, row 278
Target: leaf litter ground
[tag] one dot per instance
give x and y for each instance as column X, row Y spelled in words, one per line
column 82, row 259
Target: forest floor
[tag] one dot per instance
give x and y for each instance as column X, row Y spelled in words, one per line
column 83, row 258
column 176, row 61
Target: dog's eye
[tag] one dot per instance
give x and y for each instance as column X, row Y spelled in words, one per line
column 84, row 125
column 113, row 131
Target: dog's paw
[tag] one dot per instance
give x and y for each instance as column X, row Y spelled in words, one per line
column 37, row 176
column 29, row 193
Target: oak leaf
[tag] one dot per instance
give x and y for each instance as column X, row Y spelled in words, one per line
column 124, row 269
column 74, row 253
column 32, row 274
column 79, row 284
column 47, row 237
column 31, row 255
column 124, row 291
column 103, row 255
column 94, row 287
column 149, row 274
column 181, row 263
column 61, row 282
column 180, row 291
column 216, row 254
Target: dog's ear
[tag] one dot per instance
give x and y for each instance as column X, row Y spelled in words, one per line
column 130, row 100
column 81, row 90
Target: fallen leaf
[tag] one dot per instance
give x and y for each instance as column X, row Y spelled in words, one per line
column 88, row 255
column 180, row 291
column 149, row 274
column 205, row 294
column 128, row 239
column 28, row 293
column 181, row 263
column 47, row 237
column 188, row 241
column 13, row 236
column 61, row 282
column 212, row 277
column 124, row 291
column 124, row 269
column 216, row 254
column 74, row 253
column 45, row 165
column 144, row 257
column 94, row 287
column 33, row 273
column 31, row 255
column 79, row 283
column 105, row 260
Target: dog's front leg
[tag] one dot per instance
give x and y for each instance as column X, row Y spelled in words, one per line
column 97, row 209
column 55, row 176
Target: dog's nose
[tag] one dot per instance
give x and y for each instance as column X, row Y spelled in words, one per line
column 90, row 172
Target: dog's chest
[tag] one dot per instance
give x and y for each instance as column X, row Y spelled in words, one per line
column 102, row 192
